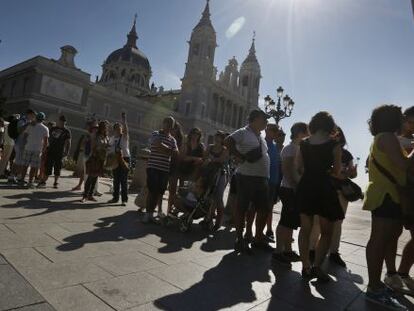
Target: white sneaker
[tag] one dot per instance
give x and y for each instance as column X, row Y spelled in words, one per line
column 394, row 282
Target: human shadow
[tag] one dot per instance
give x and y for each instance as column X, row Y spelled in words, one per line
column 45, row 201
column 228, row 284
column 128, row 226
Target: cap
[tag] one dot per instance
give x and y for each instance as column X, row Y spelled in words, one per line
column 256, row 113
column 40, row 116
column 62, row 118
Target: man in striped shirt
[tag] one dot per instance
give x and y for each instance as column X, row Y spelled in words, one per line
column 162, row 146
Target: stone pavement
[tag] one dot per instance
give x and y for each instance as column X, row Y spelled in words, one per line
column 93, row 256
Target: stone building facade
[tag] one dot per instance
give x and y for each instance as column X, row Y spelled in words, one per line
column 205, row 100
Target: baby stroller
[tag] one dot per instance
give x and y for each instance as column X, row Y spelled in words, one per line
column 194, row 200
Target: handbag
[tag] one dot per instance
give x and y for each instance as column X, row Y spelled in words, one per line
column 255, row 154
column 406, row 193
column 350, row 190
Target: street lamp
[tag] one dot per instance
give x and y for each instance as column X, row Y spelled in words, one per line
column 278, row 112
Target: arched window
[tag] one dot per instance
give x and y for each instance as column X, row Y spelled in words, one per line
column 112, row 76
column 245, row 81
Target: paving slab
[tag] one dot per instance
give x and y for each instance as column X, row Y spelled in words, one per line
column 59, row 275
column 131, row 290
column 15, row 292
column 75, row 298
column 126, row 263
column 25, row 257
column 182, row 275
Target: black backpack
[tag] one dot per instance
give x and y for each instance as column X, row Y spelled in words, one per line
column 12, row 129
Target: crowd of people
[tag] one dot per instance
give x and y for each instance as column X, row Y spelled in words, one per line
column 311, row 176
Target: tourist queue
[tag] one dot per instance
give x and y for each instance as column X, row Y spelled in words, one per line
column 311, row 176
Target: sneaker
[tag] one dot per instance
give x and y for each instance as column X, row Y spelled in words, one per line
column 148, row 218
column 55, row 185
column 292, row 256
column 123, row 203
column 280, row 258
column 409, row 283
column 321, row 275
column 92, row 199
column 394, row 281
column 112, row 201
column 21, row 182
column 30, row 185
column 242, row 246
column 336, row 258
column 308, row 274
column 383, row 298
column 262, row 245
column 42, row 184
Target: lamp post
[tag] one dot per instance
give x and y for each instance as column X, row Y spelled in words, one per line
column 276, row 110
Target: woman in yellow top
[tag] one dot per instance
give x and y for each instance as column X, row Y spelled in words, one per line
column 383, row 200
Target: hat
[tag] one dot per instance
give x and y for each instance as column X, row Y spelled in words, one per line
column 40, row 116
column 62, row 118
column 256, row 113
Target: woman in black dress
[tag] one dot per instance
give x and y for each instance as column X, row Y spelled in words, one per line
column 320, row 159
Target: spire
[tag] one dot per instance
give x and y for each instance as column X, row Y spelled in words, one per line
column 252, row 52
column 132, row 36
column 205, row 18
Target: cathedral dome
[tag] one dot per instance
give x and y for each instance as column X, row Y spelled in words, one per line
column 129, row 54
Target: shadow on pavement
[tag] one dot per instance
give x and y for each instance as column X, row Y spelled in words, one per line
column 227, row 284
column 40, row 200
column 127, row 226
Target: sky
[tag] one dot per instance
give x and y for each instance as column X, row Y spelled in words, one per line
column 343, row 56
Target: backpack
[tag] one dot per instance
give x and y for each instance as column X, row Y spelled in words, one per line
column 12, row 129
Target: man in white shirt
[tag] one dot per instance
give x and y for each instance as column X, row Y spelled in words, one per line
column 119, row 145
column 250, row 148
column 36, row 137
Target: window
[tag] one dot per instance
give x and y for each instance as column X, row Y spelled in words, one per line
column 245, row 81
column 187, row 108
column 123, row 73
column 210, row 52
column 13, row 87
